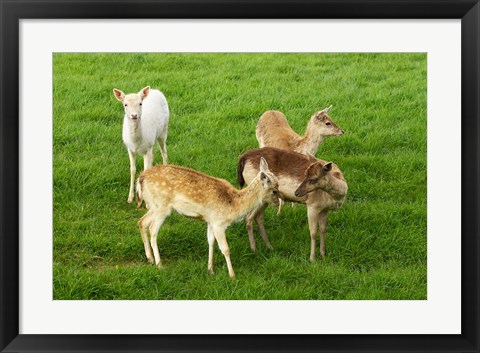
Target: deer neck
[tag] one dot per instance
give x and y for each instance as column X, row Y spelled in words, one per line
column 249, row 198
column 336, row 188
column 134, row 129
column 312, row 139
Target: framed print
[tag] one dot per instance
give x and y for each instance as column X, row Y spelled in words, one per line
column 357, row 114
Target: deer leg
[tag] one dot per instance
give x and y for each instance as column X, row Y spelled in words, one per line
column 259, row 216
column 322, row 221
column 148, row 159
column 211, row 243
column 313, row 227
column 143, row 224
column 158, row 219
column 251, row 236
column 219, row 233
column 162, row 142
column 131, row 155
column 255, row 215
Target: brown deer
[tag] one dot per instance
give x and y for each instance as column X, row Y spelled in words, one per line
column 273, row 130
column 215, row 201
column 301, row 178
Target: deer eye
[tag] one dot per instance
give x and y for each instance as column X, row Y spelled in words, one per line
column 140, row 103
column 126, row 105
column 313, row 181
column 327, row 123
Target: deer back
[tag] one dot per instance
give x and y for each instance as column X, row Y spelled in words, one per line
column 273, row 130
column 174, row 184
column 289, row 168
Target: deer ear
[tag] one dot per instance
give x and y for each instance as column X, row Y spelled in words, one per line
column 327, row 109
column 144, row 92
column 263, row 165
column 321, row 115
column 263, row 176
column 312, row 168
column 327, row 167
column 119, row 94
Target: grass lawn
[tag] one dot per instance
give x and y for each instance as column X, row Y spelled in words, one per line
column 376, row 243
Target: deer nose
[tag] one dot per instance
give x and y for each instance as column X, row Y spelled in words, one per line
column 297, row 193
column 134, row 116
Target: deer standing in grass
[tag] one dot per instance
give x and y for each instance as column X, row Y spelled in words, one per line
column 193, row 194
column 273, row 130
column 301, row 178
column 145, row 121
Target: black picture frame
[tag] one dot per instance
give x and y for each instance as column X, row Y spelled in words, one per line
column 12, row 11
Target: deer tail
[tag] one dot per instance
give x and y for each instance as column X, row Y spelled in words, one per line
column 240, row 167
column 138, row 189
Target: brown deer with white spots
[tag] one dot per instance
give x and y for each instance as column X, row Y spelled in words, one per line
column 301, row 178
column 273, row 130
column 215, row 201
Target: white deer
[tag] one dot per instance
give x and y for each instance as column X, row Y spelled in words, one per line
column 145, row 121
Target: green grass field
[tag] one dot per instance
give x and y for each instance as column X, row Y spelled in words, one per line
column 376, row 243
